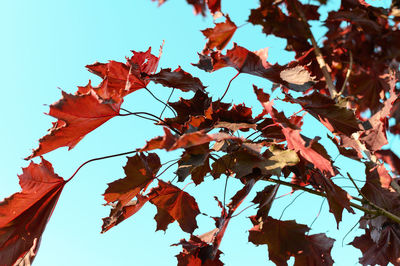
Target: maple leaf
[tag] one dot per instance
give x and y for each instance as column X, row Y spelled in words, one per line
column 336, row 117
column 77, row 116
column 389, row 157
column 264, row 199
column 198, row 252
column 195, row 162
column 219, row 36
column 186, row 109
column 120, row 79
column 287, row 238
column 177, row 204
column 338, row 199
column 243, row 162
column 255, row 63
column 121, row 212
column 178, row 79
column 311, row 150
column 161, row 142
column 24, row 215
column 383, row 251
column 140, row 171
column 214, row 6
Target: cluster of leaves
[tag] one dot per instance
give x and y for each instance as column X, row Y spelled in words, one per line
column 355, row 69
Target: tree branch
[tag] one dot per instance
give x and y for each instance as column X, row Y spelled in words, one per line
column 317, row 51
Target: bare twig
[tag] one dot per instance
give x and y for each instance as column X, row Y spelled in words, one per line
column 347, row 74
column 317, row 51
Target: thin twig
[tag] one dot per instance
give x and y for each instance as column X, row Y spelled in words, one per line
column 159, row 100
column 318, row 54
column 354, row 226
column 243, row 210
column 229, row 84
column 97, row 159
column 156, row 119
column 319, row 212
column 347, row 74
column 169, row 97
column 169, row 166
column 287, row 206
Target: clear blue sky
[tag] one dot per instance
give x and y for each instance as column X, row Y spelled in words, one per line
column 46, row 44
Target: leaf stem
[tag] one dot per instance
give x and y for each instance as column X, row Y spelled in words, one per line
column 156, row 119
column 229, row 84
column 97, row 159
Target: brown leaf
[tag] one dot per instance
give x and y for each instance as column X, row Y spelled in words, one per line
column 24, row 215
column 140, row 171
column 77, row 116
column 178, row 204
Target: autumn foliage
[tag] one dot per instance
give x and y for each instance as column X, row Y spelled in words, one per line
column 348, row 82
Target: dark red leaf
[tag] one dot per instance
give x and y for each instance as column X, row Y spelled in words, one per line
column 178, row 79
column 338, row 199
column 195, row 162
column 287, row 238
column 198, row 252
column 214, row 6
column 24, row 215
column 264, row 199
column 219, row 36
column 336, row 117
column 77, row 116
column 383, row 251
column 178, row 204
column 140, row 171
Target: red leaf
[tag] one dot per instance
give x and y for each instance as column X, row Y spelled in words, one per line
column 120, row 79
column 219, row 36
column 178, row 204
column 287, row 238
column 161, row 142
column 24, row 215
column 178, row 79
column 214, row 6
column 77, row 116
column 121, row 212
column 140, row 171
column 311, row 150
column 198, row 252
